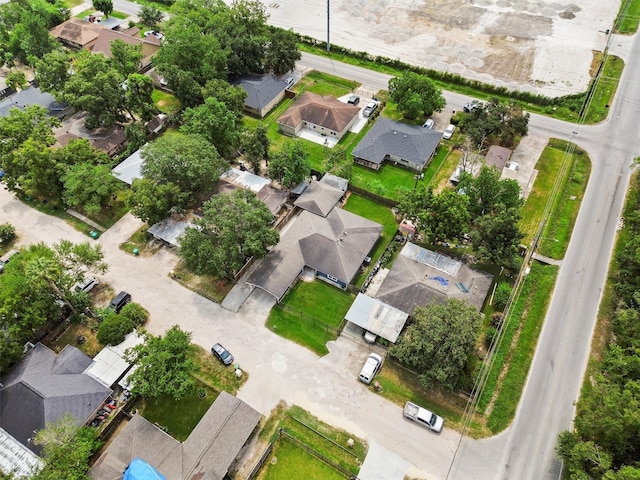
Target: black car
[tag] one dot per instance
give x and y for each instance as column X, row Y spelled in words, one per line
column 222, row 353
column 120, row 301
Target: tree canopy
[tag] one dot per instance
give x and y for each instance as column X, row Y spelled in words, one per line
column 234, row 226
column 215, row 122
column 32, row 282
column 164, row 364
column 189, row 162
column 290, row 165
column 415, row 94
column 505, row 122
column 439, row 342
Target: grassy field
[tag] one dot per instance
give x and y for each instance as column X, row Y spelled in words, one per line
column 524, row 324
column 178, row 417
column 290, row 461
column 166, row 102
column 556, row 236
column 215, row 289
column 323, row 439
column 310, row 314
column 628, row 18
column 605, row 89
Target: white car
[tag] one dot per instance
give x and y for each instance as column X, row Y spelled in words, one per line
column 429, row 123
column 448, row 132
column 369, row 109
column 370, row 368
column 423, row 417
column 86, row 285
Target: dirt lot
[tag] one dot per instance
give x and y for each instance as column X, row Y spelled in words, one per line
column 537, row 45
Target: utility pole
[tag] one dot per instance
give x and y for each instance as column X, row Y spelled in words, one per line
column 328, row 19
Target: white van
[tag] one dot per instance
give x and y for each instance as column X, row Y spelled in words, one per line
column 370, row 368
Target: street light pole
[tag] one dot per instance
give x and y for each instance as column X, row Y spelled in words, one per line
column 328, row 19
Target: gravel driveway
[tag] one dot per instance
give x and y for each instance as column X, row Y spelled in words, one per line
column 278, row 369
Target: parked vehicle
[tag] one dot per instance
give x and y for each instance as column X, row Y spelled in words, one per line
column 471, row 106
column 222, row 354
column 6, row 258
column 353, row 99
column 86, row 285
column 288, row 81
column 429, row 123
column 423, row 417
column 370, row 368
column 370, row 108
column 448, row 132
column 120, row 301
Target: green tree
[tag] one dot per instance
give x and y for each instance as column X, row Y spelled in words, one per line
column 16, row 80
column 136, row 313
column 215, row 122
column 80, row 151
column 415, row 94
column 52, row 71
column 281, row 51
column 29, row 39
column 151, row 201
column 125, row 58
column 582, row 459
column 25, row 135
column 255, row 146
column 338, row 162
column 138, row 96
column 449, row 217
column 232, row 96
column 90, row 187
column 233, row 227
column 502, row 295
column 150, row 16
column 504, row 121
column 188, row 161
column 67, row 448
column 104, row 6
column 164, row 365
column 7, row 233
column 290, row 165
column 114, row 328
column 439, row 342
column 497, row 236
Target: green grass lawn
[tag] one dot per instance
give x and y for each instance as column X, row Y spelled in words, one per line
column 326, row 84
column 107, row 217
column 390, row 181
column 289, row 461
column 311, row 314
column 605, row 89
column 525, row 320
column 165, row 102
column 565, row 211
column 178, row 417
column 378, row 213
column 628, row 18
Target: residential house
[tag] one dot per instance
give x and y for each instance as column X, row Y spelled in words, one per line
column 149, row 45
column 321, row 114
column 330, row 241
column 77, row 33
column 497, row 156
column 263, row 93
column 411, row 146
column 32, row 95
column 209, row 453
column 419, row 277
column 43, row 387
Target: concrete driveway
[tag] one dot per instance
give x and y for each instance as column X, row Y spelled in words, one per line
column 278, row 369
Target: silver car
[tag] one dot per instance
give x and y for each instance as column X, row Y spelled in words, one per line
column 448, row 132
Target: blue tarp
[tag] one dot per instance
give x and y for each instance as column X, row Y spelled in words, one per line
column 443, row 281
column 138, row 469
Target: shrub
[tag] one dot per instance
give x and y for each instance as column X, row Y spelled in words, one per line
column 490, row 336
column 497, row 319
column 501, row 297
column 7, row 233
column 113, row 329
column 136, row 313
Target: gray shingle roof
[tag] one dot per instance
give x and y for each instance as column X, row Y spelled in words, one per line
column 409, row 142
column 319, row 198
column 336, row 245
column 43, row 387
column 261, row 89
column 411, row 283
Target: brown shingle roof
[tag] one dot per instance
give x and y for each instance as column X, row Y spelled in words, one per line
column 77, row 31
column 326, row 112
column 103, row 44
column 497, row 156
